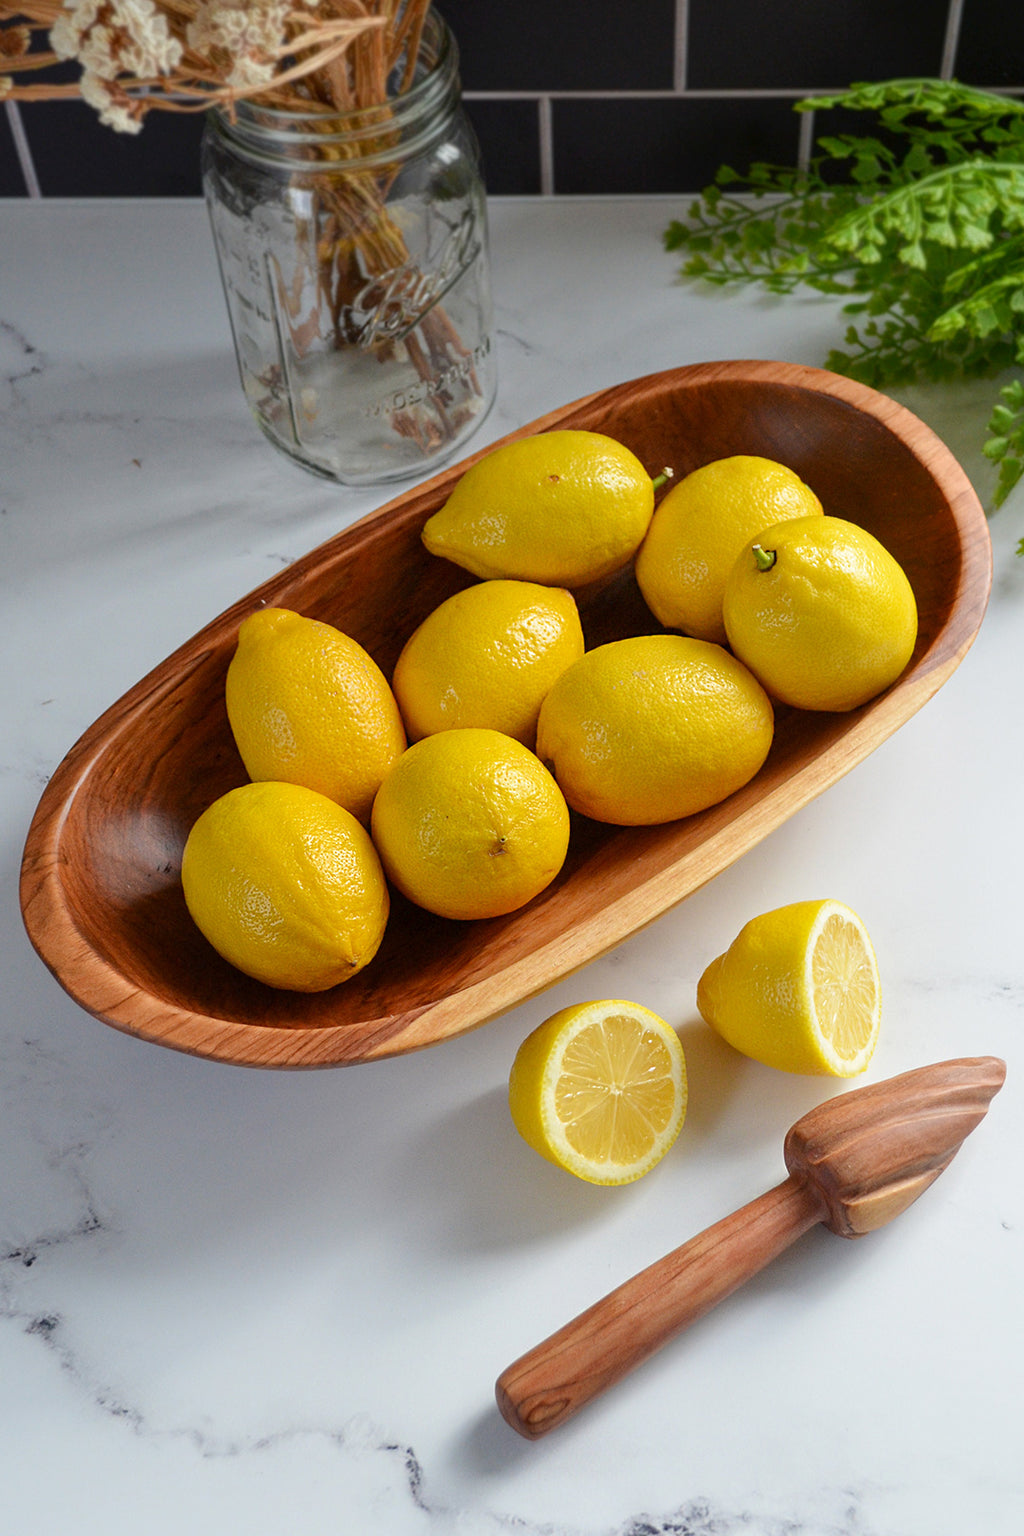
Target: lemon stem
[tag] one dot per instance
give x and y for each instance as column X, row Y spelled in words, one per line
column 659, row 480
column 765, row 557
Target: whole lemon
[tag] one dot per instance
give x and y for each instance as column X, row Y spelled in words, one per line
column 562, row 508
column 700, row 528
column 469, row 824
column 487, row 657
column 648, row 729
column 798, row 989
column 821, row 612
column 286, row 885
column 308, row 705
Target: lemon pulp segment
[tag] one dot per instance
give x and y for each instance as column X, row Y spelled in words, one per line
column 600, row 1090
column 844, row 983
column 615, row 1092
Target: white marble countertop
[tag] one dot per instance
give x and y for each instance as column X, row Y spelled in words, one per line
column 235, row 1301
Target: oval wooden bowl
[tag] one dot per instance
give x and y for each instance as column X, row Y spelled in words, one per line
column 100, row 887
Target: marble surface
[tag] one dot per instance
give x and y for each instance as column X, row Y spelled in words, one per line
column 240, row 1301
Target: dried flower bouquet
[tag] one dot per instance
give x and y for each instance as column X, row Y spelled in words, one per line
column 328, row 58
column 186, row 55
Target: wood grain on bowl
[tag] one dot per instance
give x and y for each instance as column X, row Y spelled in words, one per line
column 101, row 894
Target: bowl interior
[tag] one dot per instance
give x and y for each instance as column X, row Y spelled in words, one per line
column 135, row 784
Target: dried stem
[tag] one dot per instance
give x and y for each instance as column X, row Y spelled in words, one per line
column 337, row 54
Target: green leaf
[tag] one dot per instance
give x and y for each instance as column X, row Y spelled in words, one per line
column 1010, row 471
column 1002, row 419
column 918, row 222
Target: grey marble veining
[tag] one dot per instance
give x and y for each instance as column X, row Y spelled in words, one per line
column 237, row 1301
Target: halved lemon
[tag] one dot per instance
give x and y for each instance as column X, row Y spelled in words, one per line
column 798, row 989
column 600, row 1089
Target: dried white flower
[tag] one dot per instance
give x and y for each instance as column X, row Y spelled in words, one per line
column 139, row 54
column 112, row 103
column 115, row 37
column 72, row 26
column 96, row 52
column 250, row 32
column 148, row 46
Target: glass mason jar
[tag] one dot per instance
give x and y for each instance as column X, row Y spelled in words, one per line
column 353, row 253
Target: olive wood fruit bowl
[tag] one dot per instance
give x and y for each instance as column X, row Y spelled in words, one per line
column 101, row 894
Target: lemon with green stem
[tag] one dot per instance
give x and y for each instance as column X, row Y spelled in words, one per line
column 821, row 612
column 699, row 529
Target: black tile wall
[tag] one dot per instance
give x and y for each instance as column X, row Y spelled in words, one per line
column 509, row 132
column 592, row 96
column 75, row 155
column 665, row 145
column 564, row 45
column 991, row 44
column 812, row 43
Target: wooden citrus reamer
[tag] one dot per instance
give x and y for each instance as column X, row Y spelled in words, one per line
column 854, row 1163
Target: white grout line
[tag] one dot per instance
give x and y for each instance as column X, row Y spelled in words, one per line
column 805, row 143
column 704, row 93
column 780, row 93
column 547, row 147
column 682, row 43
column 22, row 150
column 951, row 42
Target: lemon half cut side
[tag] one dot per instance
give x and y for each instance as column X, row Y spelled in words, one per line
column 798, row 989
column 600, row 1090
column 845, row 988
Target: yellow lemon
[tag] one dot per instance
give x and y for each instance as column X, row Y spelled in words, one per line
column 487, row 657
column 308, row 705
column 821, row 612
column 798, row 989
column 600, row 1090
column 562, row 508
column 469, row 824
column 648, row 729
column 700, row 528
column 286, row 885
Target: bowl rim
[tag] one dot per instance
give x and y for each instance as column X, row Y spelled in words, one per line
column 104, row 991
